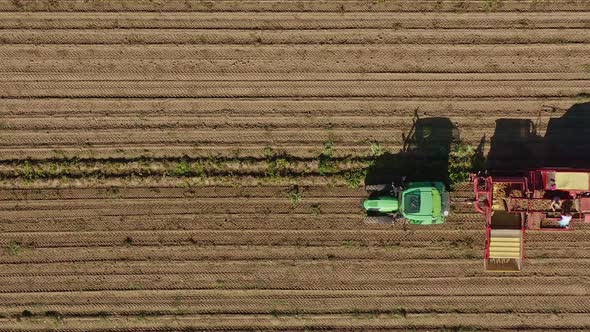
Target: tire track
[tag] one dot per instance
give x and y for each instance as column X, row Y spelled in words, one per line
column 293, row 89
column 323, row 77
column 301, row 21
column 175, row 252
column 525, row 107
column 344, row 238
column 403, row 6
column 451, row 65
column 505, row 322
column 401, row 270
column 293, row 37
column 470, row 286
column 376, row 53
column 320, row 305
column 342, row 221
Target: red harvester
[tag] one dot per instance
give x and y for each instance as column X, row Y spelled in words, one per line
column 512, row 205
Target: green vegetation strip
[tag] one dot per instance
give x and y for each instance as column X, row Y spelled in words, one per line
column 273, row 166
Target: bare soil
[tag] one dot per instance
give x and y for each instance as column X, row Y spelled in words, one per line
column 93, row 239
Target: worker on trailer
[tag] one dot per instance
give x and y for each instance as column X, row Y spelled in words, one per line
column 566, row 215
column 556, row 203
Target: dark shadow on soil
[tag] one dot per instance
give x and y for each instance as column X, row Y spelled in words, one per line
column 424, row 156
column 516, row 145
column 567, row 140
column 479, row 158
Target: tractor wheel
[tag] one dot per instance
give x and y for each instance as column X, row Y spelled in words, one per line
column 371, row 188
column 383, row 220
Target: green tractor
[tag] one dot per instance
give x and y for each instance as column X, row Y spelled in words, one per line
column 420, row 203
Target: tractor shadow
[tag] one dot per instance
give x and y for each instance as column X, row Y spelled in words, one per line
column 424, row 155
column 517, row 146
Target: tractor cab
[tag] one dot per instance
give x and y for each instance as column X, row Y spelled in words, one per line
column 425, row 203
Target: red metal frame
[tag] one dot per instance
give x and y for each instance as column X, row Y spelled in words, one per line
column 574, row 193
column 483, row 189
column 487, row 192
column 522, row 251
column 545, row 171
column 529, row 184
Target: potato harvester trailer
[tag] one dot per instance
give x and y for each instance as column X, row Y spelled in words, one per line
column 513, row 205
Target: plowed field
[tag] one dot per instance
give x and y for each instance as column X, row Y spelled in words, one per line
column 197, row 165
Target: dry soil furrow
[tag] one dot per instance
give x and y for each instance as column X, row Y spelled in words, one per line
column 343, row 238
column 293, row 89
column 352, row 140
column 409, row 251
column 293, row 37
column 302, row 6
column 342, row 322
column 177, row 143
column 254, row 253
column 329, row 77
column 86, row 303
column 275, row 139
column 431, row 269
column 375, row 53
column 318, row 305
column 306, row 280
column 199, row 123
column 311, row 205
column 187, row 222
column 301, row 21
column 451, row 65
column 118, row 207
column 342, row 221
column 156, row 161
column 397, row 269
column 538, row 237
column 218, row 222
column 521, row 107
column 277, row 122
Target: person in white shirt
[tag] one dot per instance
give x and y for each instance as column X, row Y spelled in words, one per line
column 566, row 217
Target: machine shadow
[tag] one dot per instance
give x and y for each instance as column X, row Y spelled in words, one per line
column 424, row 155
column 567, row 140
column 516, row 145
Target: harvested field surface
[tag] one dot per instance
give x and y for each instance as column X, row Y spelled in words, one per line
column 198, row 165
